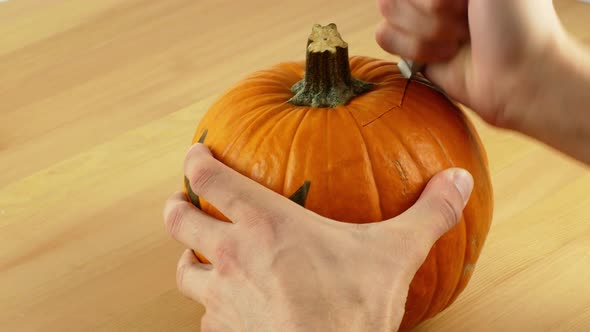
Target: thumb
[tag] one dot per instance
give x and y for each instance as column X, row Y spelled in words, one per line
column 440, row 206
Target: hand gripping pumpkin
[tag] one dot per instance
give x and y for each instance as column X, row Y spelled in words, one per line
column 353, row 140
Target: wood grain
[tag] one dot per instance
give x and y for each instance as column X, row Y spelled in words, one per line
column 99, row 100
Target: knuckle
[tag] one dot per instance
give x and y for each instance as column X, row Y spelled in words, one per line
column 386, row 6
column 180, row 272
column 252, row 215
column 237, row 201
column 226, row 257
column 382, row 37
column 449, row 214
column 174, row 218
column 265, row 230
column 202, row 173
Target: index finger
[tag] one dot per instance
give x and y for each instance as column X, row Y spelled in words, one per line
column 236, row 196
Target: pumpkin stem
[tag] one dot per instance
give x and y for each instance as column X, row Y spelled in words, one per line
column 327, row 81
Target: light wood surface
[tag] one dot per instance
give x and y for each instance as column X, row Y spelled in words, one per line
column 98, row 103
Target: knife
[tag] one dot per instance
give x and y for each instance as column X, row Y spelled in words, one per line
column 408, row 67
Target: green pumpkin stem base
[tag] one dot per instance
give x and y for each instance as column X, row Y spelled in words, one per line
column 328, row 81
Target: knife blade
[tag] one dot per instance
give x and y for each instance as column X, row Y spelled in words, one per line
column 408, row 67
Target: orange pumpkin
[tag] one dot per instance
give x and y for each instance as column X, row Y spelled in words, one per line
column 355, row 141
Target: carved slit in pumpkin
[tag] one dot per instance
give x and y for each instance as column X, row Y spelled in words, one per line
column 328, row 81
column 300, row 196
column 194, row 198
column 203, row 136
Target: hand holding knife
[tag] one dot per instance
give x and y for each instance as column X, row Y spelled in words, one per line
column 410, row 68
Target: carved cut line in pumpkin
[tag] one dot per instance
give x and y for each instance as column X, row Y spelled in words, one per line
column 300, row 195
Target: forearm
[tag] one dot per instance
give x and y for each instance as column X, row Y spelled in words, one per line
column 559, row 106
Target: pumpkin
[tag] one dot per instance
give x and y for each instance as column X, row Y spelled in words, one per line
column 355, row 141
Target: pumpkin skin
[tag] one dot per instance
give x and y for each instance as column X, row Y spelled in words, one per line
column 365, row 161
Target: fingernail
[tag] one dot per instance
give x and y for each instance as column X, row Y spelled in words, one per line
column 464, row 183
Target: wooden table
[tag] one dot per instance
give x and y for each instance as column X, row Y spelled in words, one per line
column 98, row 103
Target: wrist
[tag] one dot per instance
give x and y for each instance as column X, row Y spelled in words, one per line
column 532, row 85
column 550, row 101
